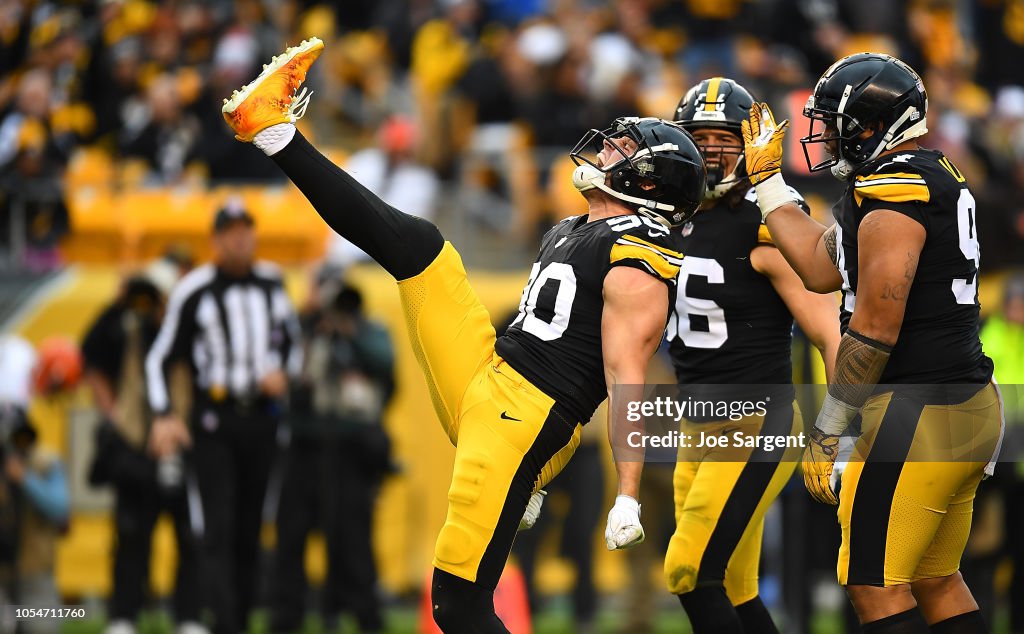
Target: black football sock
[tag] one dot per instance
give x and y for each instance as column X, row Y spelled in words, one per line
column 463, row 607
column 909, row 622
column 710, row 611
column 966, row 623
column 755, row 617
column 404, row 245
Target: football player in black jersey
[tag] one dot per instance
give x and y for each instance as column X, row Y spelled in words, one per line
column 732, row 324
column 904, row 251
column 592, row 314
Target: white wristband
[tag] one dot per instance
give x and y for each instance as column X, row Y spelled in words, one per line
column 772, row 193
column 835, row 416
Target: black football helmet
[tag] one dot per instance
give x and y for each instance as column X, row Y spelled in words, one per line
column 853, row 96
column 717, row 102
column 665, row 155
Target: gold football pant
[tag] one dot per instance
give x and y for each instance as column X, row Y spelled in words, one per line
column 721, row 497
column 907, row 492
column 508, row 440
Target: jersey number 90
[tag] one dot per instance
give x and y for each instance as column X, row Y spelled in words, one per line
column 565, row 278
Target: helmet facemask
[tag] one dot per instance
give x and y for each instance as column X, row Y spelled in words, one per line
column 823, row 127
column 716, row 156
column 637, row 173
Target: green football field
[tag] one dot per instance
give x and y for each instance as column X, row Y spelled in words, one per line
column 403, row 620
column 556, row 619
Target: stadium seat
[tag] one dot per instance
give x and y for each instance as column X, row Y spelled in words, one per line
column 154, row 219
column 97, row 232
column 288, row 229
column 90, row 167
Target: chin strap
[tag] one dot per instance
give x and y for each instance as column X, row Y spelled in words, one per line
column 842, row 169
column 726, row 184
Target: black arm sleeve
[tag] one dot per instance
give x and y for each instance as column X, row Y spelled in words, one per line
column 404, row 245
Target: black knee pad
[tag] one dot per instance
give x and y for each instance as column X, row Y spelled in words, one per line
column 463, row 607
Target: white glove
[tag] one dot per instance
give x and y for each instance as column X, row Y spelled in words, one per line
column 532, row 510
column 624, row 529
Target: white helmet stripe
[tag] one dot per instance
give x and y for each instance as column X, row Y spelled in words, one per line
column 657, row 148
column 888, row 142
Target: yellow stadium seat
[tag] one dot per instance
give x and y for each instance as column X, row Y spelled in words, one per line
column 97, row 232
column 154, row 219
column 288, row 230
column 90, row 166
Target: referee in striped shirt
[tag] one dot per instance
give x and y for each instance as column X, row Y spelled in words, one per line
column 232, row 322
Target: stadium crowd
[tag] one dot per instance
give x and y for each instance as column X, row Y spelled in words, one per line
column 497, row 90
column 476, row 103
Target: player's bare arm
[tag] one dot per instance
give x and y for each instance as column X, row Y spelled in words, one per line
column 816, row 314
column 809, row 246
column 632, row 324
column 889, row 244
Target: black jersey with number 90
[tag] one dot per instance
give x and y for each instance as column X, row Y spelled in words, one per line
column 555, row 341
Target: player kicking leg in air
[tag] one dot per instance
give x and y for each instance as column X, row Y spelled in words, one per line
column 513, row 406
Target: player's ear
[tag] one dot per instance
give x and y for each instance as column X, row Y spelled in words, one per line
column 647, row 184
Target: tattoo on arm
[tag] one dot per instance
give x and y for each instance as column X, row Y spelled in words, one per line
column 900, row 292
column 859, row 364
column 830, row 245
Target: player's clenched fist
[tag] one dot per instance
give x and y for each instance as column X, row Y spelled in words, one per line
column 532, row 513
column 762, row 143
column 624, row 529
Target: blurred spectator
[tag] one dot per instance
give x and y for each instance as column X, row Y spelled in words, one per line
column 711, row 29
column 999, row 37
column 338, row 454
column 114, row 350
column 162, row 133
column 112, row 81
column 32, row 162
column 33, row 514
column 390, row 171
column 1001, row 197
column 234, row 324
column 226, row 160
